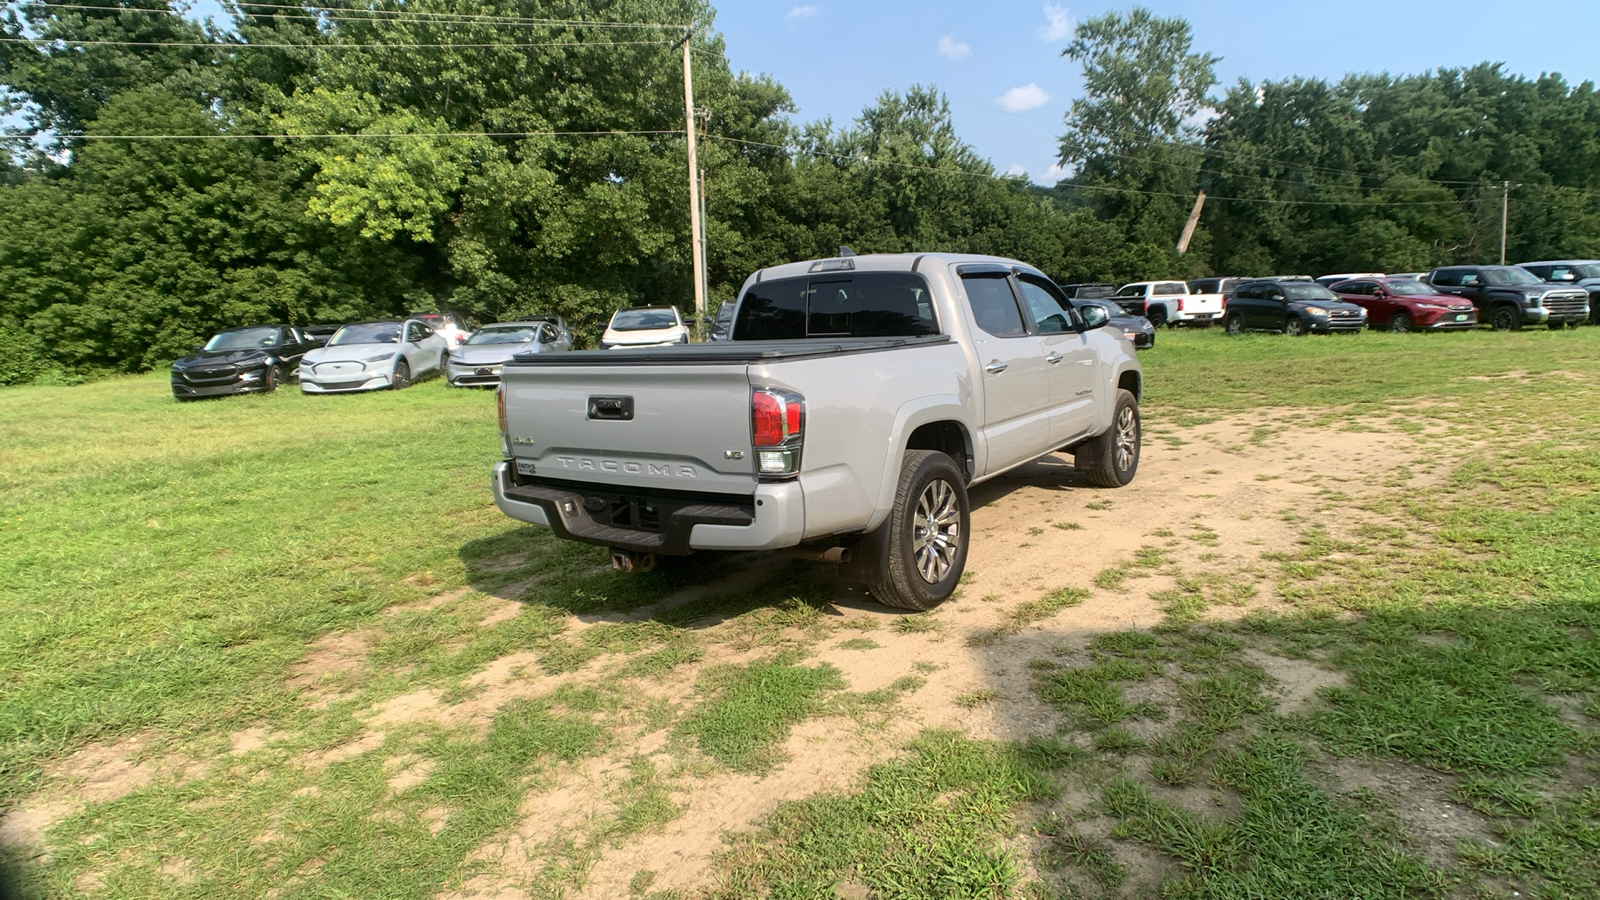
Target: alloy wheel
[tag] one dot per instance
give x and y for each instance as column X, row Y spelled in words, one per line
column 936, row 531
column 1127, row 442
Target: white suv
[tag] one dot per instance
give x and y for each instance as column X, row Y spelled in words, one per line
column 644, row 326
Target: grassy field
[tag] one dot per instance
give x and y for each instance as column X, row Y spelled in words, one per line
column 171, row 575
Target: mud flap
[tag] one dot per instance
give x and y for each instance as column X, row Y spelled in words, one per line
column 869, row 557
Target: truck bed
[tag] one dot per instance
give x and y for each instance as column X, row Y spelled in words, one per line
column 723, row 352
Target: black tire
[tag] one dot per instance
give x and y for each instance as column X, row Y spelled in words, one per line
column 1506, row 318
column 1112, row 459
column 1158, row 316
column 1234, row 325
column 930, row 499
column 402, row 376
column 1293, row 327
column 272, row 378
column 1400, row 323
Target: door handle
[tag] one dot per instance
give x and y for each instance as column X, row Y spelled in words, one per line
column 1053, row 358
column 996, row 367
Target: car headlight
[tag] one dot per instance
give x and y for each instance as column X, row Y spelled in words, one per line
column 1431, row 306
column 683, row 339
column 1316, row 311
column 381, row 356
column 1532, row 301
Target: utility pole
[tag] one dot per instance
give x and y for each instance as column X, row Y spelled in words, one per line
column 1188, row 227
column 1505, row 215
column 696, row 226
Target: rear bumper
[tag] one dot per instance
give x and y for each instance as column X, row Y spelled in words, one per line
column 1205, row 318
column 773, row 518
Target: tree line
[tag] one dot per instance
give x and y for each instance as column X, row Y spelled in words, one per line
column 498, row 158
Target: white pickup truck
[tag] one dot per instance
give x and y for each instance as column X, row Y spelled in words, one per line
column 855, row 402
column 1169, row 303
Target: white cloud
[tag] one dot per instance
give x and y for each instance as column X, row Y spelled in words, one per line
column 1060, row 23
column 801, row 12
column 1054, row 174
column 1016, row 169
column 1022, row 99
column 950, row 48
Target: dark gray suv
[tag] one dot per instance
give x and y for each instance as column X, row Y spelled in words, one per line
column 1508, row 297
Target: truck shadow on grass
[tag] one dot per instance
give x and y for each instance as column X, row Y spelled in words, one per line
column 529, row 565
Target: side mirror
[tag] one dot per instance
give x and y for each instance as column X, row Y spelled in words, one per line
column 1094, row 317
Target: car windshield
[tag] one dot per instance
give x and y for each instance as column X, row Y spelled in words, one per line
column 643, row 319
column 436, row 320
column 1405, row 287
column 369, row 333
column 1301, row 290
column 1508, row 275
column 508, row 334
column 244, row 339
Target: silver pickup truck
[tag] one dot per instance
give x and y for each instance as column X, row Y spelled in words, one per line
column 856, row 401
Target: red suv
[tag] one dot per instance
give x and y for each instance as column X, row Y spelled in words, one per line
column 1405, row 304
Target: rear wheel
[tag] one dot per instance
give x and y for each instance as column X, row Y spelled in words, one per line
column 928, row 533
column 1234, row 325
column 402, row 376
column 1158, row 317
column 1112, row 459
column 1506, row 318
column 1293, row 327
column 1400, row 322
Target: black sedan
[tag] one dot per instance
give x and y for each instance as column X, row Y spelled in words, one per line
column 241, row 361
column 1136, row 328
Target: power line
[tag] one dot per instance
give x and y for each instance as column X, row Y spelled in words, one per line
column 401, row 15
column 865, row 160
column 226, row 136
column 330, row 46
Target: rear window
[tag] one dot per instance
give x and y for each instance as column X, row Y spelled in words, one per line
column 835, row 305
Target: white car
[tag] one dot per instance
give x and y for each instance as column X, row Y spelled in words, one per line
column 370, row 356
column 445, row 326
column 644, row 326
column 1331, row 280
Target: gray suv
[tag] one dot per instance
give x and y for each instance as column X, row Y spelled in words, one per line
column 1509, row 297
column 1584, row 273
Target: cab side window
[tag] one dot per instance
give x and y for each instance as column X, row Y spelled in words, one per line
column 1247, row 293
column 994, row 307
column 1051, row 312
column 1132, row 290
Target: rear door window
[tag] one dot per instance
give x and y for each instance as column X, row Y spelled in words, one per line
column 837, row 305
column 994, row 306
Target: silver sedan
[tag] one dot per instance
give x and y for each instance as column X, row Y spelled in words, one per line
column 369, row 356
column 477, row 362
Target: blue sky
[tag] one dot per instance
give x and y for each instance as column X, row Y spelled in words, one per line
column 1000, row 64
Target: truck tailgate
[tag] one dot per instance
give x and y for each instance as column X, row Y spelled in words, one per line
column 664, row 427
column 1202, row 306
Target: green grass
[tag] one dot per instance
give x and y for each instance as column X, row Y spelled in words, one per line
column 164, row 567
column 747, row 711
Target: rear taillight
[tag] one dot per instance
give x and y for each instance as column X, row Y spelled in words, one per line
column 500, row 408
column 777, row 430
column 1180, row 304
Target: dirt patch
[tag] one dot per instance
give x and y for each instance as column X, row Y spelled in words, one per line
column 97, row 773
column 330, row 656
column 1295, row 682
column 1434, row 826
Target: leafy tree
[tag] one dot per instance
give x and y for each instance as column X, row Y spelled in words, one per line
column 1132, row 137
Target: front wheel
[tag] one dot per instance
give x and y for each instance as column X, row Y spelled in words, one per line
column 1293, row 327
column 402, row 376
column 1506, row 318
column 1112, row 459
column 928, row 533
column 273, row 378
column 1400, row 323
column 1235, row 325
